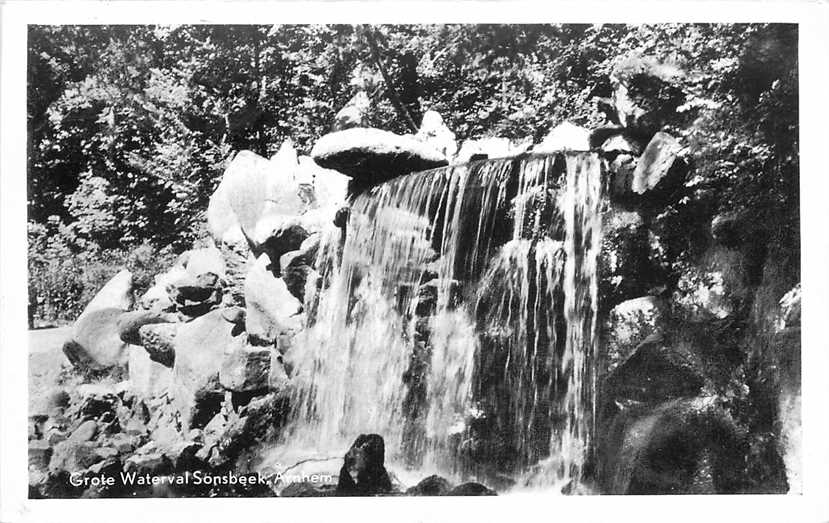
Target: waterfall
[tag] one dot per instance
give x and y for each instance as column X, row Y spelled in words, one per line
column 457, row 318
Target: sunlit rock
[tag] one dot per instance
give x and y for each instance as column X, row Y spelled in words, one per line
column 489, row 148
column 270, row 305
column 684, row 446
column 372, row 156
column 246, row 369
column 96, row 341
column 147, row 377
column 565, row 137
column 129, row 323
column 115, row 294
column 436, row 134
column 655, row 162
column 629, row 324
column 200, row 346
column 353, row 114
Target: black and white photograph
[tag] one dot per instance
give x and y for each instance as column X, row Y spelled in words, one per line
column 413, row 260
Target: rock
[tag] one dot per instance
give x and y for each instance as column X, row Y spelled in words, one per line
column 157, row 297
column 626, row 268
column 293, row 259
column 363, row 471
column 286, row 237
column 372, row 156
column 330, row 186
column 246, row 369
column 353, row 114
column 147, row 376
column 73, row 456
column 471, row 489
column 493, row 147
column 200, row 346
column 130, row 322
column 57, row 401
column 278, row 379
column 40, row 452
column 86, row 431
column 206, row 260
column 629, row 324
column 436, row 134
column 221, row 220
column 258, row 191
column 96, row 341
column 200, row 288
column 115, row 294
column 565, row 137
column 295, row 277
column 655, row 162
column 341, row 217
column 655, row 372
column 158, row 340
column 732, row 229
column 309, row 248
column 682, row 446
column 431, row 486
column 148, row 460
column 270, row 305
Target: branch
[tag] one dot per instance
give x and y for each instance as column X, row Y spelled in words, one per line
column 395, row 98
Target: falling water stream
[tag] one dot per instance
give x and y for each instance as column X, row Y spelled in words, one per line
column 457, row 318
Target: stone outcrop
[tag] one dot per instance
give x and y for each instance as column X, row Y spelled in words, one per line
column 271, row 308
column 371, row 156
column 493, row 147
column 96, row 341
column 436, row 134
column 115, row 294
column 564, row 137
column 200, row 346
column 363, row 471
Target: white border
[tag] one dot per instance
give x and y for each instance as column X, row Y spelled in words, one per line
column 813, row 505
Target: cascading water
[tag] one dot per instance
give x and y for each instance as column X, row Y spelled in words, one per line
column 457, row 319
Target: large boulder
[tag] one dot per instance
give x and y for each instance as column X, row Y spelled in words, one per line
column 158, row 341
column 259, row 189
column 363, row 471
column 488, row 148
column 200, row 347
column 372, row 156
column 96, row 341
column 115, row 294
column 657, row 370
column 655, row 162
column 129, row 323
column 629, row 324
column 683, row 446
column 157, row 298
column 147, row 377
column 205, row 260
column 353, row 114
column 431, row 486
column 246, row 369
column 436, row 134
column 565, row 136
column 271, row 308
